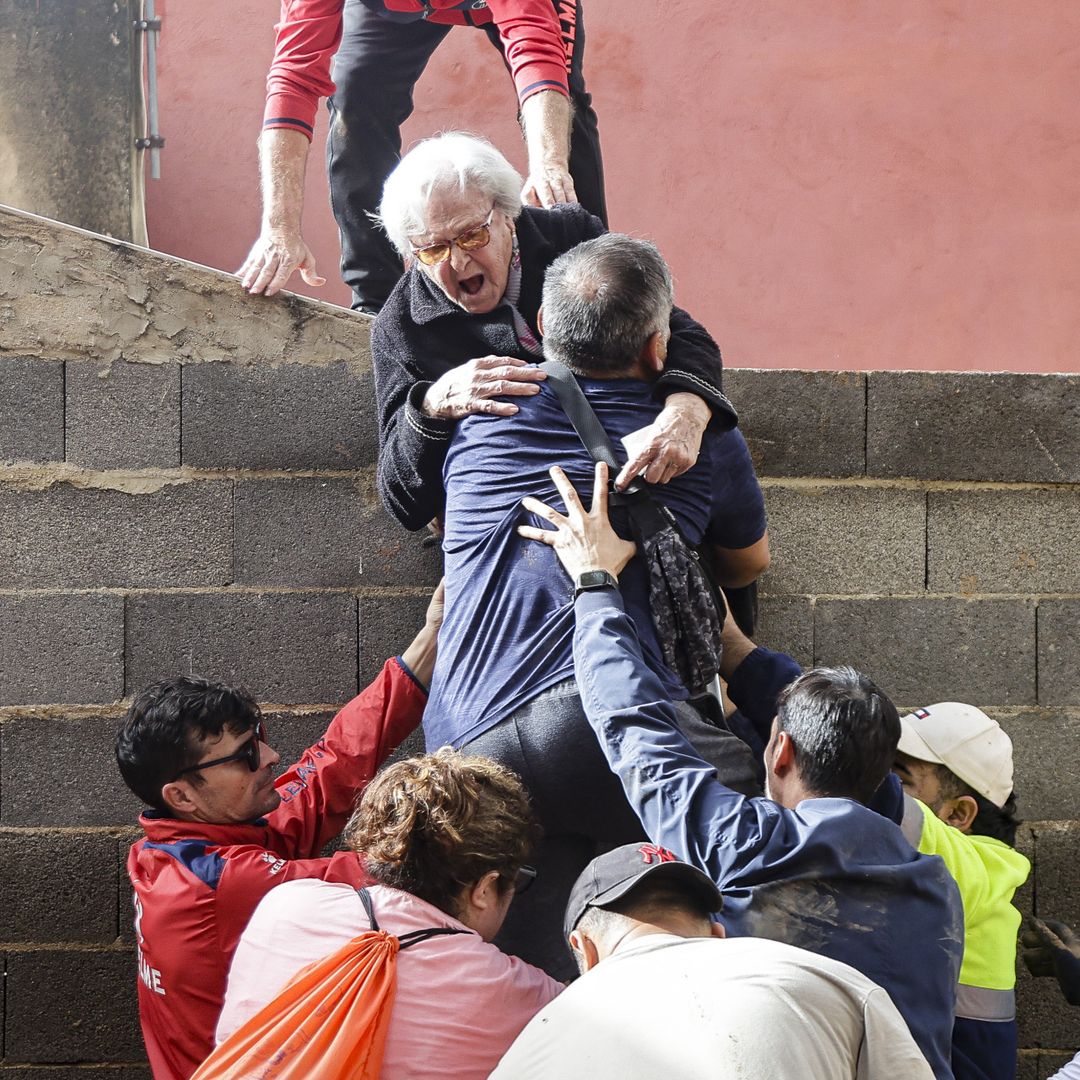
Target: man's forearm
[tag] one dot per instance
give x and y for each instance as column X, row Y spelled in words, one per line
column 545, row 120
column 283, row 155
column 419, row 657
column 679, row 800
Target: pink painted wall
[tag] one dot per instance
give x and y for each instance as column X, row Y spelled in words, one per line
column 841, row 185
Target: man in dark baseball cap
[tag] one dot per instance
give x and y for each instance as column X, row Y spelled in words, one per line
column 662, row 995
column 610, row 878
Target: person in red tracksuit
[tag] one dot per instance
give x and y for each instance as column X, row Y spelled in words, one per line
column 220, row 831
column 379, row 50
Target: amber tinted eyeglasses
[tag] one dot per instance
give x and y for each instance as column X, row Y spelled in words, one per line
column 471, row 240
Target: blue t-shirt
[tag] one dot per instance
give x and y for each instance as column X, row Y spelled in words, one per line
column 509, row 624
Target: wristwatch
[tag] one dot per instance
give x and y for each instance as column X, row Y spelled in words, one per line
column 593, row 579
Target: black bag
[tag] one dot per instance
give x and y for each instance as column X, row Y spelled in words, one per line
column 686, row 605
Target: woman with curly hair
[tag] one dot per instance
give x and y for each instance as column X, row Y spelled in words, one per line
column 445, row 838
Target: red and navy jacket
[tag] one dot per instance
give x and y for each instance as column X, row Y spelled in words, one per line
column 197, row 885
column 309, row 33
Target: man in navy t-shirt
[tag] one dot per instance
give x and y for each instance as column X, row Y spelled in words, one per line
column 503, row 683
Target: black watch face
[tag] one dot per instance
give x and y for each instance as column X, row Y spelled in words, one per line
column 593, row 579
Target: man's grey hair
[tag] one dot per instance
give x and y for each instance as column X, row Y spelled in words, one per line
column 603, row 300
column 453, row 161
column 654, row 901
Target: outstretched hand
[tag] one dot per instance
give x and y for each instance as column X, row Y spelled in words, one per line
column 1051, row 948
column 272, row 260
column 669, row 445
column 582, row 540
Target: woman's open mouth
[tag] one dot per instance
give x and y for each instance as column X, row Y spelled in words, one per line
column 470, row 286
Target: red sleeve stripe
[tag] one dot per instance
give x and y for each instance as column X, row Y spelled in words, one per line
column 543, row 84
column 287, row 121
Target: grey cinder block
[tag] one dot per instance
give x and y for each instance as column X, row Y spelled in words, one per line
column 65, row 1006
column 1057, row 873
column 300, row 532
column 1044, row 1018
column 1059, row 654
column 123, row 416
column 387, row 625
column 77, row 537
column 1040, row 736
column 286, row 648
column 786, row 624
column 933, row 649
column 61, row 649
column 62, row 771
column 295, row 416
column 58, row 887
column 802, row 423
column 309, row 531
column 31, row 409
column 973, row 426
column 841, row 539
column 1004, row 541
column 76, row 1072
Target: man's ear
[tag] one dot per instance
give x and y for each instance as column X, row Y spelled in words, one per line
column 585, row 947
column 960, row 812
column 540, row 321
column 176, row 795
column 718, row 930
column 654, row 353
column 783, row 754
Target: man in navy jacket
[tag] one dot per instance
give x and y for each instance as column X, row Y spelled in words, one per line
column 809, row 864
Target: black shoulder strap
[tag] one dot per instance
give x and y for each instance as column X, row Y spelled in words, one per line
column 414, row 936
column 647, row 515
column 365, row 899
column 576, row 405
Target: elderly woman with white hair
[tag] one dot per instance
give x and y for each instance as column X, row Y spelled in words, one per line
column 459, row 333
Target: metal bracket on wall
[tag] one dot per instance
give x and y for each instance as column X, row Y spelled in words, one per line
column 150, row 25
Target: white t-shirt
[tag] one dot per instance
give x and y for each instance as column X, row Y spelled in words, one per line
column 460, row 1001
column 671, row 1008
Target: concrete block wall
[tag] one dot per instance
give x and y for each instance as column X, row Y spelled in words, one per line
column 186, row 484
column 926, row 529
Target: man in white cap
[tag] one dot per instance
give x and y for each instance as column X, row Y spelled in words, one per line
column 663, row 995
column 956, row 766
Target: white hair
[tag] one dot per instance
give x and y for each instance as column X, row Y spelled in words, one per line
column 451, row 160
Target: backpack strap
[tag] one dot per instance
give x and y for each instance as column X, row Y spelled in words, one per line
column 647, row 515
column 365, row 899
column 414, row 937
column 576, row 405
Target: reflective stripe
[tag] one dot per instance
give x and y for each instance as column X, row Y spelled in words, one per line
column 978, row 1003
column 911, row 824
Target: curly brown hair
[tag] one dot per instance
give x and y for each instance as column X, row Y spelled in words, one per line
column 434, row 824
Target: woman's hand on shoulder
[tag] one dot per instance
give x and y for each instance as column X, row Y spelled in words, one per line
column 670, row 444
column 472, row 387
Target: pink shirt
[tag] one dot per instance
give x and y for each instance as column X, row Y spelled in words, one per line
column 460, row 1001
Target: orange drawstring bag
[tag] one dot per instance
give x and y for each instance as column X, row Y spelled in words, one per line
column 330, row 1020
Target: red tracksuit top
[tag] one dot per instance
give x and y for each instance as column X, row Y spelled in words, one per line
column 197, row 885
column 309, row 33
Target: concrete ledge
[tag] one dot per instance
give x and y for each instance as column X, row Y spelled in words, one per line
column 66, row 293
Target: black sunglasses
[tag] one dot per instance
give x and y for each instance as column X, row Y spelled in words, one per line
column 526, row 875
column 248, row 753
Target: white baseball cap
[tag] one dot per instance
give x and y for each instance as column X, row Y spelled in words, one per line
column 966, row 741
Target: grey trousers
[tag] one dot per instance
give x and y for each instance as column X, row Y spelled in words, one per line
column 581, row 805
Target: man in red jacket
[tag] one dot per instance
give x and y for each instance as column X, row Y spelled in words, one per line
column 379, row 50
column 221, row 831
